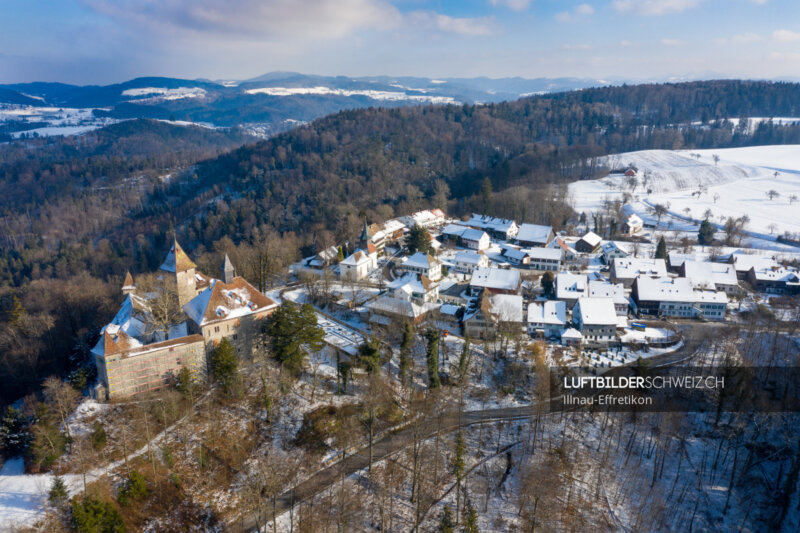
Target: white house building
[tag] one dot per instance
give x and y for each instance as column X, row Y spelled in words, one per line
column 569, row 287
column 596, row 319
column 615, row 291
column 535, row 235
column 467, row 262
column 547, row 319
column 424, row 264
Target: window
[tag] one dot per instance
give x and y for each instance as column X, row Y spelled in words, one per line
column 216, row 329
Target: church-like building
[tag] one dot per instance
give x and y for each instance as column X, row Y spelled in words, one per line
column 134, row 355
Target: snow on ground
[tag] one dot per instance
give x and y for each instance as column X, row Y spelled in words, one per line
column 59, row 120
column 23, row 496
column 162, row 93
column 375, row 95
column 737, row 184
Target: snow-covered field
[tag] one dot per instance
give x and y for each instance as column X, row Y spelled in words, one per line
column 60, row 120
column 375, row 95
column 690, row 182
column 161, row 93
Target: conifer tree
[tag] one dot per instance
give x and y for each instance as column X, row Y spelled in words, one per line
column 433, row 358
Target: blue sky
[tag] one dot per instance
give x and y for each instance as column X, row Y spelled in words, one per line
column 105, row 41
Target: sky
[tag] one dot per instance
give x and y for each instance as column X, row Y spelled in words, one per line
column 108, row 41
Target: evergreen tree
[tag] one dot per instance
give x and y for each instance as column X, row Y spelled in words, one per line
column 98, row 436
column 486, row 195
column 471, row 522
column 661, row 248
column 548, row 284
column 58, row 494
column 14, row 434
column 418, row 240
column 446, row 524
column 458, row 467
column 91, row 515
column 225, row 365
column 405, row 352
column 433, row 358
column 369, row 355
column 463, row 360
column 706, row 234
column 293, row 329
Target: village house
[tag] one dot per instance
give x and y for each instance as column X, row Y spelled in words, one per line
column 475, row 239
column 535, row 235
column 588, row 243
column 569, row 287
column 568, row 253
column 467, row 262
column 324, row 259
column 714, row 276
column 455, row 293
column 499, row 228
column 414, row 288
column 495, row 281
column 358, row 265
column 423, row 264
column 633, row 225
column 743, row 263
column 611, row 251
column 626, row 270
column 774, row 280
column 615, row 291
column 426, row 219
column 497, row 314
column 676, row 298
column 547, row 319
column 545, row 259
column 595, row 319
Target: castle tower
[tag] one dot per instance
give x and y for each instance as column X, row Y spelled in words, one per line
column 178, row 262
column 128, row 286
column 228, row 272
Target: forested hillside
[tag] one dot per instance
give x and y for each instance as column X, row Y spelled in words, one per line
column 78, row 212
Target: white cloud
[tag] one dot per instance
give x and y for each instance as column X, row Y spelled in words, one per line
column 625, row 43
column 785, row 36
column 759, row 2
column 671, row 42
column 582, row 10
column 514, row 5
column 746, row 38
column 306, row 18
column 481, row 26
column 654, row 7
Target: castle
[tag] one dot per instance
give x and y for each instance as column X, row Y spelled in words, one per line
column 134, row 356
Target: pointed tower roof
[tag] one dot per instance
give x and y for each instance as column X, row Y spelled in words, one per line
column 227, row 265
column 365, row 232
column 128, row 284
column 177, row 260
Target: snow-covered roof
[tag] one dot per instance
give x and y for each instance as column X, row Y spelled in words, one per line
column 571, row 333
column 469, row 258
column 471, row 234
column 222, row 301
column 411, row 283
column 664, row 289
column 454, row 230
column 177, row 260
column 507, row 307
column 534, row 233
column 545, row 253
column 592, row 239
column 356, row 258
column 631, row 267
column 393, row 225
column 449, row 309
column 596, row 311
column 502, row 225
column 328, row 254
column 548, row 312
column 705, row 275
column 570, row 286
column 397, row 306
column 612, row 246
column 495, row 278
column 513, row 253
column 420, row 260
column 776, row 274
column 744, row 262
column 710, row 296
column 603, row 289
column 634, row 220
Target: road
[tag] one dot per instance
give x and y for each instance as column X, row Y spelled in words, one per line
column 445, row 423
